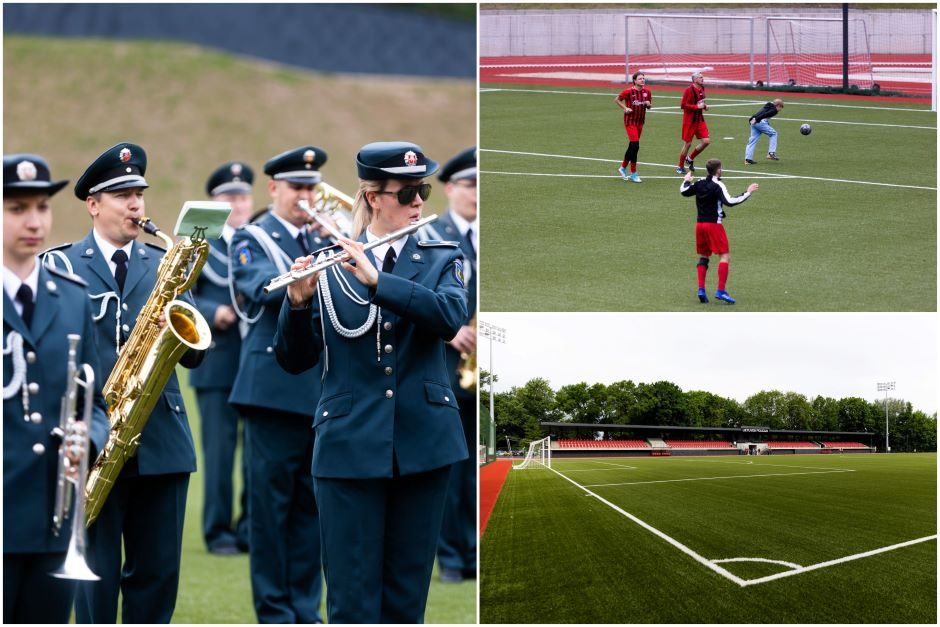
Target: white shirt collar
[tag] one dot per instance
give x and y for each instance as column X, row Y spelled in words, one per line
column 462, row 224
column 381, row 250
column 227, row 232
column 12, row 283
column 291, row 229
column 107, row 249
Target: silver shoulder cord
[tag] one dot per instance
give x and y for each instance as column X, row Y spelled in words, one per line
column 49, row 261
column 280, row 259
column 326, row 302
column 214, row 277
column 17, row 383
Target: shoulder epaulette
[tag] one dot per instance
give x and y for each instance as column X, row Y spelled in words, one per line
column 59, row 247
column 160, row 248
column 68, row 276
column 438, row 244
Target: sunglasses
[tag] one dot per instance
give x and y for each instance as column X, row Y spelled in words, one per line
column 406, row 195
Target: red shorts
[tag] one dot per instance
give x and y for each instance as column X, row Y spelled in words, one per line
column 699, row 130
column 633, row 132
column 710, row 239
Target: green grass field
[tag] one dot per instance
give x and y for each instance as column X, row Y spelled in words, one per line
column 556, row 552
column 216, row 589
column 845, row 221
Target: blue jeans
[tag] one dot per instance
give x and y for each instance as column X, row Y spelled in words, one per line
column 761, row 128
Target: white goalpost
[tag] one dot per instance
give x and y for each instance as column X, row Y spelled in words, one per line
column 539, row 455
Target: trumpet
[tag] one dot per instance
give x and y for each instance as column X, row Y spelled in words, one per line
column 70, row 490
column 329, row 200
column 289, row 278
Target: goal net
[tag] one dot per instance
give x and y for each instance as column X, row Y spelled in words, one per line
column 809, row 51
column 672, row 47
column 539, row 455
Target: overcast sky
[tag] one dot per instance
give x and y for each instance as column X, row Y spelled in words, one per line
column 732, row 355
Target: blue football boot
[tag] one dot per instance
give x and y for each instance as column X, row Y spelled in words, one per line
column 636, row 178
column 702, row 296
column 725, row 296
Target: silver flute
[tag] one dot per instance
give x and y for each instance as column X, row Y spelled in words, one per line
column 289, row 278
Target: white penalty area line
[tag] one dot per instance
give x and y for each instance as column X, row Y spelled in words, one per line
column 774, row 474
column 714, row 565
column 749, row 173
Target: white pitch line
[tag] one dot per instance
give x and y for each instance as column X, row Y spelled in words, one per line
column 749, row 172
column 762, row 560
column 777, row 474
column 761, row 176
column 698, row 558
column 666, row 96
column 841, row 560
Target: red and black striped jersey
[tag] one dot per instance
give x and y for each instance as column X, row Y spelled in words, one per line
column 690, row 99
column 638, row 100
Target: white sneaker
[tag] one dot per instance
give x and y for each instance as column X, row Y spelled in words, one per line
column 623, row 173
column 636, row 178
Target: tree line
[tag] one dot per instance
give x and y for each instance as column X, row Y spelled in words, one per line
column 519, row 411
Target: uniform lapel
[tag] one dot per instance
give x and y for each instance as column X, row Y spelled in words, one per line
column 410, row 261
column 95, row 260
column 47, row 303
column 218, row 256
column 136, row 267
column 13, row 319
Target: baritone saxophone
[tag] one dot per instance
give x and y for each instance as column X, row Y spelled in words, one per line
column 148, row 359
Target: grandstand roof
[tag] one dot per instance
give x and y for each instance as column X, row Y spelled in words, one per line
column 748, row 429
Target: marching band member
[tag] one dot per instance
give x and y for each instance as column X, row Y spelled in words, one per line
column 41, row 308
column 230, row 182
column 144, row 511
column 388, row 425
column 284, row 544
column 457, row 548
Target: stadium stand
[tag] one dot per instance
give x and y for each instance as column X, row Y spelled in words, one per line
column 844, row 445
column 698, row 444
column 604, row 444
column 793, row 445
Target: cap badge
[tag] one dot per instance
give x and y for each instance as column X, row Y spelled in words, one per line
column 309, row 156
column 26, row 171
column 125, row 154
column 236, row 169
column 411, row 158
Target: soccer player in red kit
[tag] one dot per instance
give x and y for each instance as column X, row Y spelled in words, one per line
column 711, row 196
column 634, row 101
column 693, row 122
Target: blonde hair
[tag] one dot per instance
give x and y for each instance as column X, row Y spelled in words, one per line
column 362, row 210
column 778, row 103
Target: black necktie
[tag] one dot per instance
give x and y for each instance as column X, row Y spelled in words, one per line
column 469, row 238
column 120, row 272
column 302, row 242
column 389, row 264
column 25, row 296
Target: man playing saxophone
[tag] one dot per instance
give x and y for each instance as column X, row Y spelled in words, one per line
column 144, row 511
column 41, row 308
column 284, row 539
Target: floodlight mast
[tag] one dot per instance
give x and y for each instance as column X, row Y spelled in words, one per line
column 492, row 332
column 884, row 387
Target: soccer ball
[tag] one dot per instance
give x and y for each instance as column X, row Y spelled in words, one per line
column 806, row 129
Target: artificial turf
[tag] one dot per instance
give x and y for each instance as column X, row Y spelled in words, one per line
column 845, row 221
column 553, row 553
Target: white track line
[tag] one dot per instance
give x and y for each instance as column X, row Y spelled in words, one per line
column 713, row 565
column 841, row 560
column 776, row 474
column 769, row 174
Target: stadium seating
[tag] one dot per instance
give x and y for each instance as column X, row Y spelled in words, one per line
column 699, row 444
column 844, row 445
column 603, row 444
column 792, row 445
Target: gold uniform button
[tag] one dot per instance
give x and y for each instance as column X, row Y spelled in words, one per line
column 388, row 370
column 38, row 448
column 30, row 357
column 389, row 394
column 388, row 348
